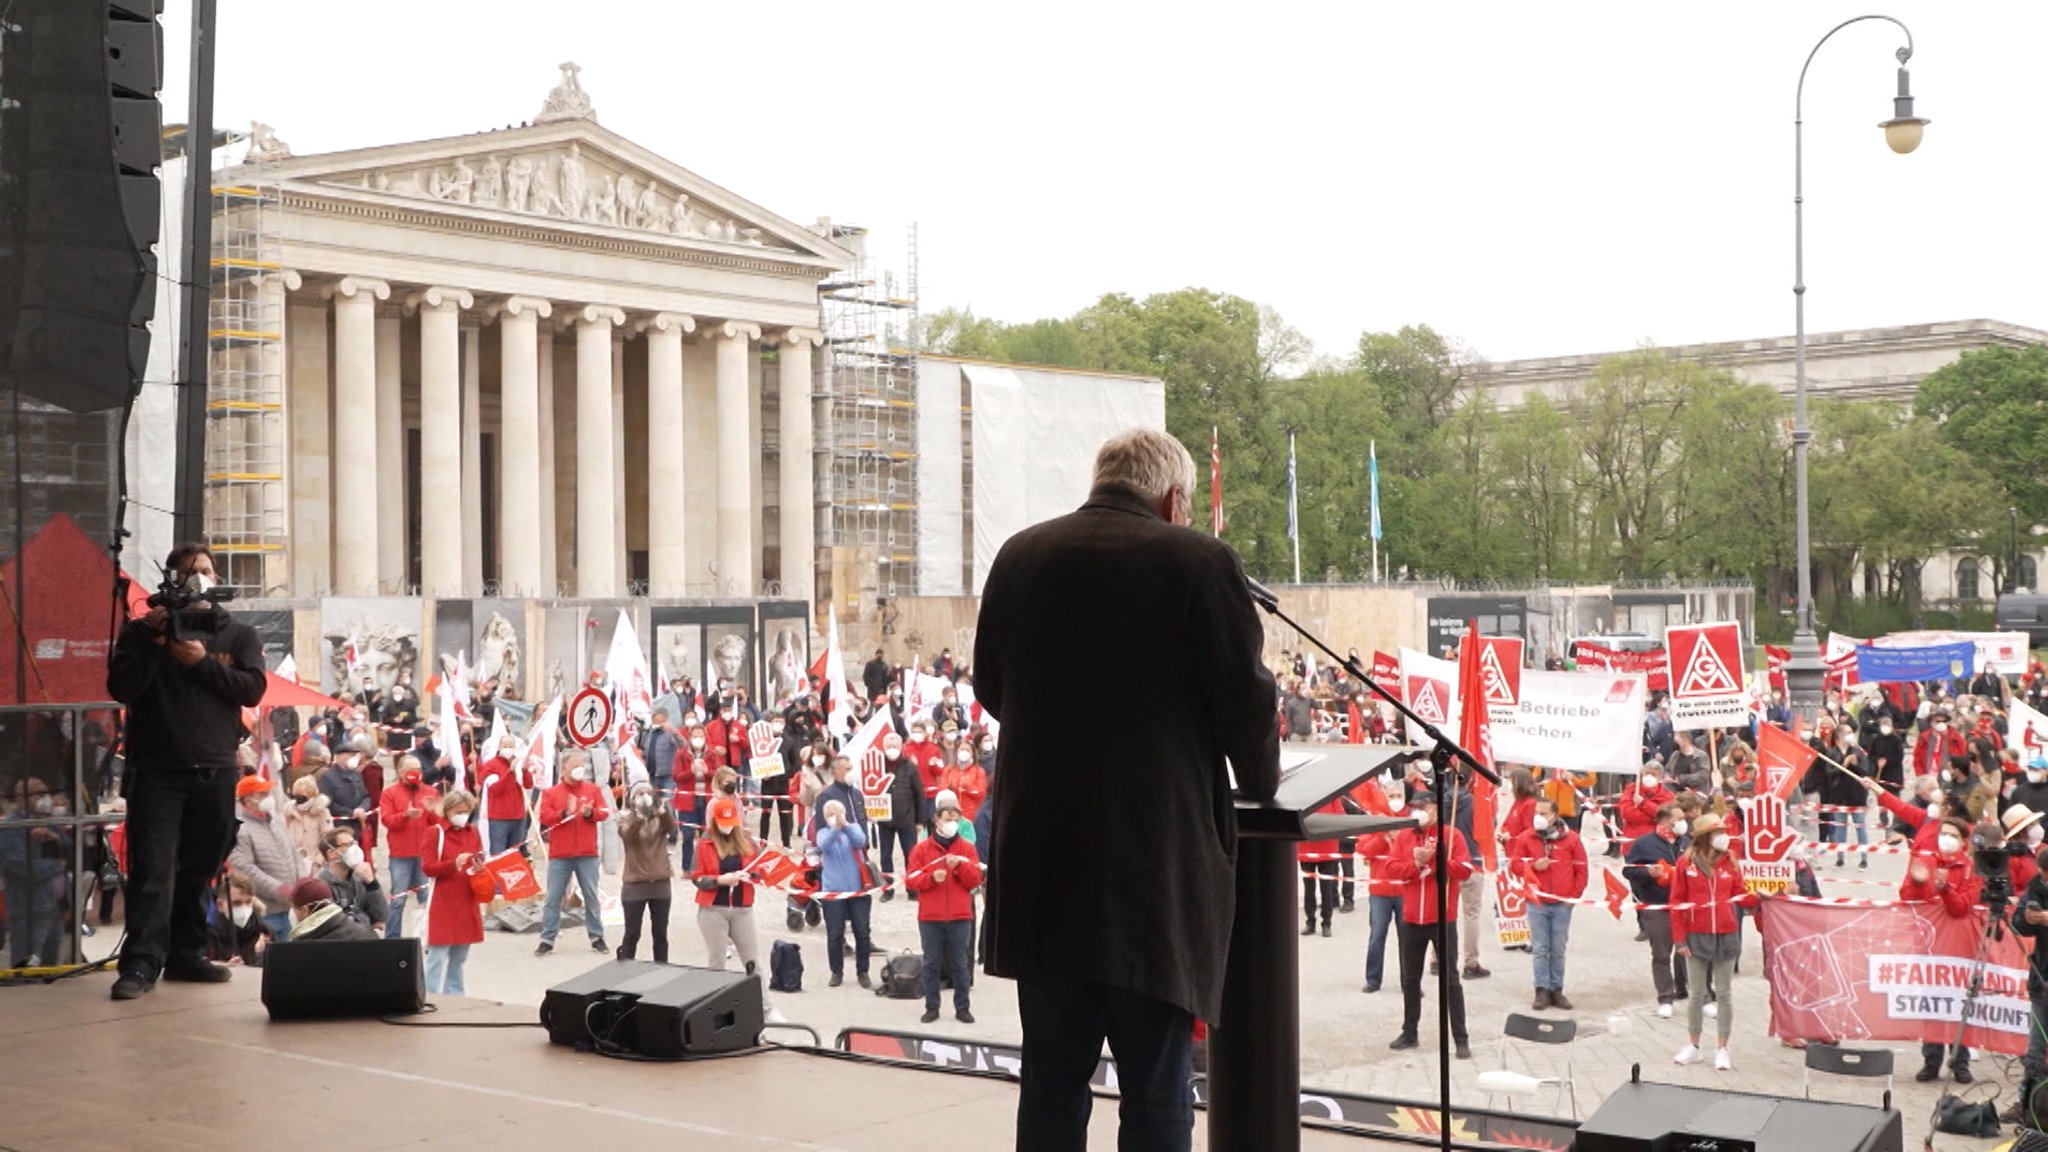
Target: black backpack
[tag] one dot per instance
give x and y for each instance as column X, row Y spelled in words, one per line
column 902, row 977
column 785, row 967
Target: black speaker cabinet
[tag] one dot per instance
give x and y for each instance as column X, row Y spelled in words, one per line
column 315, row 979
column 1640, row 1117
column 658, row 1010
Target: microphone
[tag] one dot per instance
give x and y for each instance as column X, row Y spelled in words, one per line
column 1263, row 596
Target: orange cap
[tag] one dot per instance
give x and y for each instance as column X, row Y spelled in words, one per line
column 725, row 814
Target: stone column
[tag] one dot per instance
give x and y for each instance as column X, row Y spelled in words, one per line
column 551, row 580
column 667, row 494
column 736, row 555
column 355, row 434
column 520, row 522
column 308, row 413
column 393, row 544
column 472, row 463
column 269, row 501
column 597, row 567
column 619, row 455
column 797, row 538
column 442, row 511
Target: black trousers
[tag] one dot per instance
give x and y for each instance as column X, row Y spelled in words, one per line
column 1064, row 1026
column 1348, row 866
column 1325, row 882
column 781, row 806
column 181, row 824
column 657, row 913
column 1416, row 941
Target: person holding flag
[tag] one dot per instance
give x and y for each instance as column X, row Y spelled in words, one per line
column 1552, row 863
column 1411, row 863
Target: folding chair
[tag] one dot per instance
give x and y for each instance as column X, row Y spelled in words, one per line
column 1542, row 1030
column 1865, row 1063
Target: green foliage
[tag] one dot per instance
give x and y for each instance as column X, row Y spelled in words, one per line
column 1992, row 404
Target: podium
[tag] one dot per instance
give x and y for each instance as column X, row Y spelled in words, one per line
column 1255, row 1047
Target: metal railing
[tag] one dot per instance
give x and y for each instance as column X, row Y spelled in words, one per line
column 47, row 744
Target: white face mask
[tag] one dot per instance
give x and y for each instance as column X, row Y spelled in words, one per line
column 459, row 820
column 579, row 773
column 41, row 805
column 1540, row 822
column 696, row 744
column 202, row 583
column 1949, row 845
column 2034, row 836
column 1649, row 781
column 817, row 761
column 1678, row 826
column 892, row 753
column 1720, row 841
column 947, row 829
column 643, row 802
column 267, row 806
column 1424, row 818
column 352, row 856
column 2037, row 775
column 242, row 913
column 1397, row 802
column 965, row 756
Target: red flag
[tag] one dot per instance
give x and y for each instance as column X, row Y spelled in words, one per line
column 1355, row 729
column 1617, row 891
column 1775, row 659
column 1778, row 751
column 1215, row 484
column 1477, row 737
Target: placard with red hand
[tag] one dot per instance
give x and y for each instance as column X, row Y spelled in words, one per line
column 1766, row 847
column 875, row 779
column 1510, row 909
column 767, row 749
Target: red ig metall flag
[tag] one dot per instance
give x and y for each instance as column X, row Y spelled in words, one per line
column 1475, row 733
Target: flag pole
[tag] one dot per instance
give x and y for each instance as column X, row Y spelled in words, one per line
column 1293, row 509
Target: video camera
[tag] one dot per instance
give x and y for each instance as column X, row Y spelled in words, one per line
column 191, row 604
column 1994, row 867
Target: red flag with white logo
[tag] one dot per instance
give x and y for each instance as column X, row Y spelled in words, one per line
column 1475, row 733
column 1783, row 759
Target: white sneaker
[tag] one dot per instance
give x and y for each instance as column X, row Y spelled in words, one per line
column 1722, row 1061
column 1664, row 1011
column 1712, row 1010
column 1690, row 1054
column 774, row 1016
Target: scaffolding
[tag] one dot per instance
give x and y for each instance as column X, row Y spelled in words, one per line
column 245, row 434
column 870, row 424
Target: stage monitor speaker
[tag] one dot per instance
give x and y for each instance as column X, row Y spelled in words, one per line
column 323, row 979
column 665, row 1011
column 1641, row 1117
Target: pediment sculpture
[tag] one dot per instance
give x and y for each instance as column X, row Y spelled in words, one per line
column 565, row 184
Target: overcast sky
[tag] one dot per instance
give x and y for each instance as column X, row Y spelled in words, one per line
column 1532, row 179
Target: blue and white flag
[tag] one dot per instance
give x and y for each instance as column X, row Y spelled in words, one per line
column 1372, row 465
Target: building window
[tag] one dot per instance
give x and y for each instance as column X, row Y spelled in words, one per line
column 1966, row 578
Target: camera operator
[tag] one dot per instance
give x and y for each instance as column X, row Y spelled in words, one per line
column 2030, row 919
column 185, row 670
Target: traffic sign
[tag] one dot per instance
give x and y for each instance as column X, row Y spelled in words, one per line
column 590, row 717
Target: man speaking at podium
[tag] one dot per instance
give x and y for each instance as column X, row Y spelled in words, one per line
column 1111, row 890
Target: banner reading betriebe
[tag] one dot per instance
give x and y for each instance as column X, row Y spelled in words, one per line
column 1705, row 665
column 1898, row 972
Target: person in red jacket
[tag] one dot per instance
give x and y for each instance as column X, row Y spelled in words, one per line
column 1382, row 893
column 1925, row 821
column 409, row 810
column 926, row 754
column 1552, row 862
column 725, row 888
column 1522, row 785
column 944, row 871
column 966, row 779
column 1706, row 888
column 505, row 791
column 1948, row 875
column 1640, row 799
column 698, row 759
column 455, row 920
column 1318, row 862
column 1411, row 862
column 569, row 815
column 1936, row 744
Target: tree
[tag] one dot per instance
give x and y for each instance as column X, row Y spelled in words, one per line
column 1992, row 404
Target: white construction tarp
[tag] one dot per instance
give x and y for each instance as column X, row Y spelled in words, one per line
column 153, row 423
column 1036, row 433
column 941, row 552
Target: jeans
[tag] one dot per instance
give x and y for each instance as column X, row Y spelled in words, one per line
column 1835, row 826
column 181, row 824
column 1959, row 1056
column 444, row 968
column 280, row 924
column 1416, row 941
column 1714, row 976
column 1065, row 1025
column 1667, row 972
column 507, row 834
column 837, row 914
column 945, row 945
column 657, row 915
column 406, row 874
column 36, row 910
column 1550, row 927
column 560, row 869
column 1382, row 911
column 1324, row 880
column 891, row 838
column 688, row 824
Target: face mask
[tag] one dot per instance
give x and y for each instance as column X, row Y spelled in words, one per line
column 947, row 829
column 1540, row 822
column 643, row 803
column 1720, row 842
column 242, row 913
column 459, row 819
column 817, row 761
column 1649, row 781
column 1424, row 818
column 892, row 753
column 2037, row 775
column 697, row 744
column 1678, row 827
column 41, row 805
column 1941, row 726
column 1397, row 803
column 726, row 715
column 917, row 735
column 267, row 806
column 1949, row 845
column 966, row 756
column 988, row 746
column 352, row 856
column 2034, row 836
column 201, row 582
column 1885, row 729
column 410, row 778
column 579, row 774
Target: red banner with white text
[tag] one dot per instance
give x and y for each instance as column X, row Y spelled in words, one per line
column 1891, row 972
column 1590, row 657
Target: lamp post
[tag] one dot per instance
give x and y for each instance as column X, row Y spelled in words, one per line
column 2012, row 568
column 1804, row 672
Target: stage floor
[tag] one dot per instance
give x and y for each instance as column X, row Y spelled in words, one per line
column 201, row 1067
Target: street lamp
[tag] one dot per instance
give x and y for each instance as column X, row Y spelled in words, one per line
column 1804, row 672
column 2012, row 570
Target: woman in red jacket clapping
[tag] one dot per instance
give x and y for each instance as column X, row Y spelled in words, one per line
column 1705, row 891
column 453, row 856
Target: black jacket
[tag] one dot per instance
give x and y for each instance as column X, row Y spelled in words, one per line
column 1090, row 802
column 2036, row 895
column 179, row 717
column 874, row 676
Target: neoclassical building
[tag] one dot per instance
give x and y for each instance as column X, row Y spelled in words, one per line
column 541, row 361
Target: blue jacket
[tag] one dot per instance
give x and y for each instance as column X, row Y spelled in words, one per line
column 837, row 850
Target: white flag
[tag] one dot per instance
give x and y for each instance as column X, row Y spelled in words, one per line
column 537, row 754
column 288, row 669
column 2027, row 732
column 835, row 677
column 449, row 737
column 625, row 671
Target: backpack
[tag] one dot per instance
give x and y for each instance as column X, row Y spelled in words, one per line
column 902, row 977
column 785, row 967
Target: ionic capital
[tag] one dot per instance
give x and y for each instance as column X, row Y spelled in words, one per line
column 594, row 314
column 666, row 322
column 789, row 336
column 349, row 287
column 519, row 306
column 736, row 330
column 439, row 299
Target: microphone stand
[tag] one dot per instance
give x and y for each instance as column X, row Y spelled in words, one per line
column 1444, row 755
